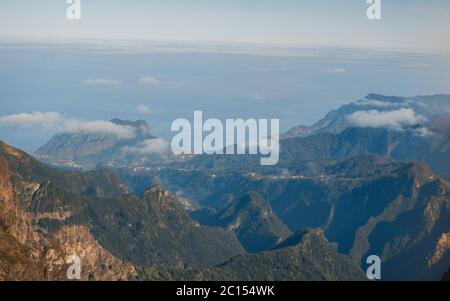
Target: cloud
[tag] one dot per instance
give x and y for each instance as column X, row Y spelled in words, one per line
column 99, row 126
column 336, row 71
column 29, row 119
column 144, row 109
column 396, row 120
column 102, row 82
column 150, row 81
column 148, row 147
column 423, row 132
column 53, row 119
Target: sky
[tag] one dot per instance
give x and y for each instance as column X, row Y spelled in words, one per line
column 93, row 82
column 161, row 60
column 412, row 24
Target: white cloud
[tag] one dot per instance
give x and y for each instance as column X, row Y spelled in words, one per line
column 53, row 119
column 423, row 132
column 396, row 120
column 99, row 126
column 150, row 81
column 102, row 82
column 336, row 71
column 144, row 109
column 29, row 119
column 149, row 146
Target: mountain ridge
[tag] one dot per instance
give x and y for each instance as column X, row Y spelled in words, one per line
column 311, row 258
column 254, row 223
column 38, row 216
column 128, row 230
column 337, row 121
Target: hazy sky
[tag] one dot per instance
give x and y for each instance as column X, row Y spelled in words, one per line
column 412, row 24
column 160, row 81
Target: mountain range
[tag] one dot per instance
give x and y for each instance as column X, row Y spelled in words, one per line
column 119, row 236
column 336, row 121
column 368, row 179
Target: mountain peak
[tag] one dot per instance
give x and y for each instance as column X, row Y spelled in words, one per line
column 158, row 188
column 86, row 150
column 301, row 236
column 142, row 126
column 253, row 199
column 158, row 193
column 254, row 222
column 421, row 109
column 5, row 148
column 374, row 96
column 251, row 203
column 137, row 123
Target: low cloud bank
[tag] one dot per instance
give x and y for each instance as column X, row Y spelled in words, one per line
column 99, row 126
column 396, row 120
column 149, row 81
column 144, row 109
column 53, row 119
column 336, row 71
column 148, row 147
column 31, row 119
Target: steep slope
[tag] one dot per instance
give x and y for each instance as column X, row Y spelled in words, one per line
column 138, row 237
column 112, row 235
column 308, row 256
column 405, row 128
column 337, row 121
column 402, row 216
column 403, row 146
column 28, row 251
column 254, row 223
column 87, row 150
column 352, row 200
column 309, row 156
column 154, row 229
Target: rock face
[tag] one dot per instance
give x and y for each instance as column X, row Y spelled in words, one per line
column 406, row 223
column 154, row 230
column 368, row 205
column 44, row 221
column 367, row 188
column 120, row 236
column 29, row 252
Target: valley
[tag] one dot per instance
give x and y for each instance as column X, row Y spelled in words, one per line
column 339, row 193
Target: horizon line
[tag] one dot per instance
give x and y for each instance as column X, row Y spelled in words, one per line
column 186, row 42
